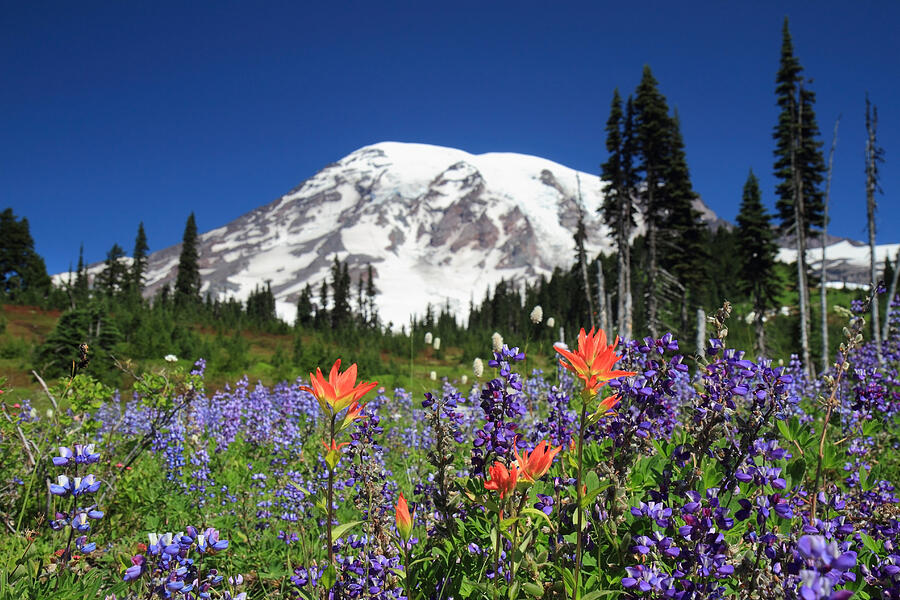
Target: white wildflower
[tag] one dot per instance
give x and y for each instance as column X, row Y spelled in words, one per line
column 537, row 314
column 464, row 380
column 428, row 338
column 478, row 367
column 432, row 376
column 550, row 322
column 437, row 343
column 170, row 358
column 497, row 342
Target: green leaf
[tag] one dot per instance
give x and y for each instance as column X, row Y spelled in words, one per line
column 329, row 577
column 870, row 544
column 797, row 469
column 341, row 529
column 592, row 495
column 536, row 513
column 505, row 523
column 599, row 594
column 533, row 589
column 785, row 430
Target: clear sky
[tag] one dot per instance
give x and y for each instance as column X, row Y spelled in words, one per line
column 112, row 113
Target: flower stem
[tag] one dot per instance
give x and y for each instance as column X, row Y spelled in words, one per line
column 330, row 510
column 578, row 477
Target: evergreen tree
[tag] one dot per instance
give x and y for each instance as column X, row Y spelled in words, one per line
column 322, row 320
column 800, row 168
column 618, row 206
column 371, row 292
column 187, row 282
column 80, row 290
column 304, row 308
column 653, row 145
column 89, row 325
column 340, row 287
column 684, row 236
column 23, row 274
column 757, row 251
column 111, row 280
column 139, row 261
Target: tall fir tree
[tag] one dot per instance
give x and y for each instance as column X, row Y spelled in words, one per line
column 80, row 290
column 758, row 252
column 799, row 168
column 371, row 292
column 111, row 281
column 618, row 209
column 187, row 282
column 685, row 237
column 139, row 262
column 23, row 274
column 340, row 287
column 652, row 144
column 304, row 308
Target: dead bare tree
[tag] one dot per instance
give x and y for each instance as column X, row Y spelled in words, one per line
column 822, row 276
column 874, row 155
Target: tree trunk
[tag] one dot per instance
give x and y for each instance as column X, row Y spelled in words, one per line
column 871, row 183
column 701, row 332
column 824, row 306
column 893, row 291
column 651, row 257
column 602, row 303
column 800, row 231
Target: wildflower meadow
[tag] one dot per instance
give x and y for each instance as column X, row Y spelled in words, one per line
column 634, row 469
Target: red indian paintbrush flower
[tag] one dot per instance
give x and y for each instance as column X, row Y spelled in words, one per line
column 593, row 361
column 339, row 391
column 502, row 479
column 535, row 464
column 404, row 519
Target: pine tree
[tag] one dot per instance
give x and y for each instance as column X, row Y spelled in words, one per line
column 684, row 236
column 111, row 280
column 371, row 292
column 23, row 274
column 758, row 251
column 139, row 262
column 322, row 320
column 80, row 290
column 618, row 206
column 652, row 144
column 340, row 287
column 304, row 308
column 799, row 167
column 187, row 282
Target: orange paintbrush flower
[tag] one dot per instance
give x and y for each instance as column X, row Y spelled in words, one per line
column 339, row 391
column 593, row 361
column 502, row 479
column 353, row 413
column 535, row 464
column 404, row 519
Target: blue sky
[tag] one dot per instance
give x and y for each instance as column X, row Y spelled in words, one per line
column 112, row 113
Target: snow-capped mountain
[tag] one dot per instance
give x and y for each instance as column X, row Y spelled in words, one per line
column 438, row 225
